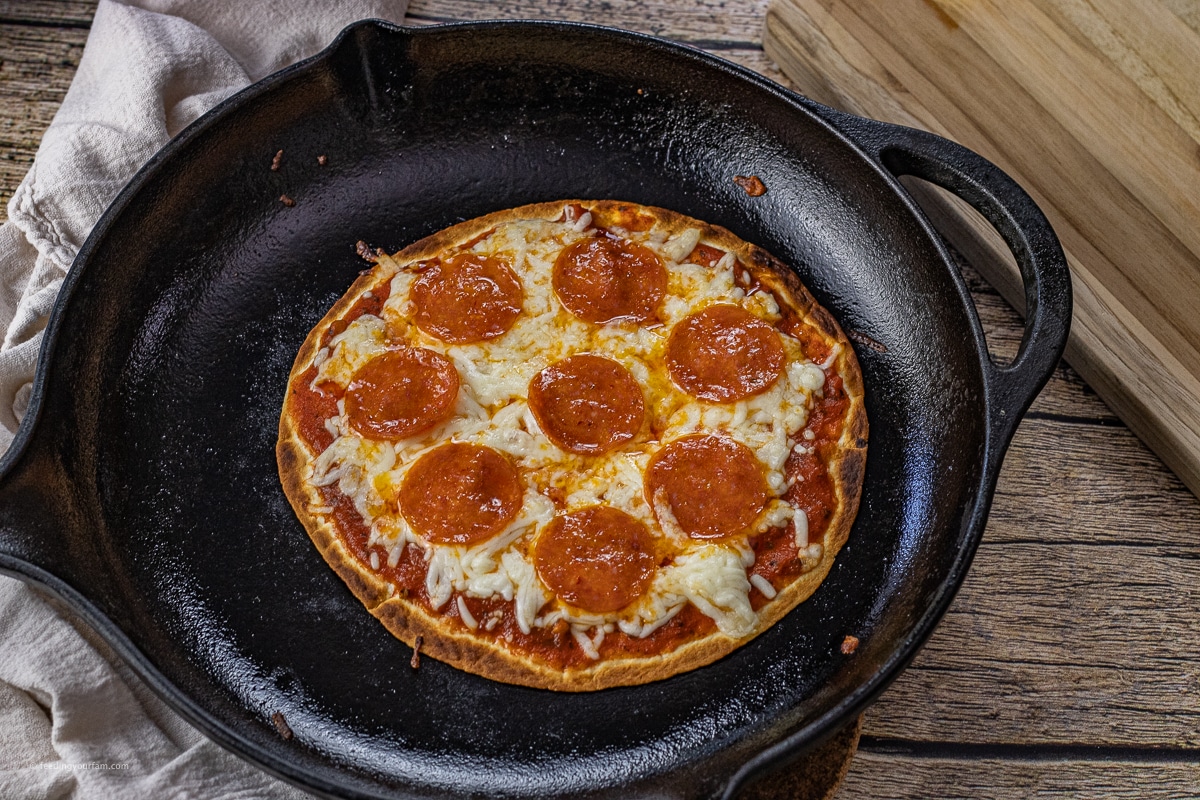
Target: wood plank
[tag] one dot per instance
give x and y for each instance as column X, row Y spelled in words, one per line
column 1186, row 10
column 37, row 67
column 1135, row 339
column 899, row 777
column 732, row 31
column 1088, row 485
column 708, row 21
column 970, row 114
column 1068, row 400
column 1149, row 43
column 58, row 13
column 1153, row 158
column 1076, row 624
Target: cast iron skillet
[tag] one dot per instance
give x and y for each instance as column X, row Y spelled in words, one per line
column 142, row 488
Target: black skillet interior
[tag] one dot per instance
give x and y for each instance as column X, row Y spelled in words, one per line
column 147, row 495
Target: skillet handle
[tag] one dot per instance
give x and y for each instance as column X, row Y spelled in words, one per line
column 1013, row 213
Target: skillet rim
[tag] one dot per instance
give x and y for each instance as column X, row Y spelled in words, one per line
column 811, row 734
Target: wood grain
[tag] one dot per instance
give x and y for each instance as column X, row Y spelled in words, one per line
column 58, row 13
column 718, row 23
column 36, row 67
column 1092, row 105
column 1077, row 621
column 896, row 774
column 730, row 30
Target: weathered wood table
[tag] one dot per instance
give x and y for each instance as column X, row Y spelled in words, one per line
column 1069, row 664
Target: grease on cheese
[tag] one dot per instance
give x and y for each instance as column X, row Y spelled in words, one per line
column 492, row 410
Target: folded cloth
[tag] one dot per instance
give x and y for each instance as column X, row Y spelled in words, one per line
column 74, row 721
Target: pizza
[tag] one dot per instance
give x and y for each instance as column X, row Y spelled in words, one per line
column 576, row 445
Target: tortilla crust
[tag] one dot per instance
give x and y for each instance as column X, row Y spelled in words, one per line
column 441, row 637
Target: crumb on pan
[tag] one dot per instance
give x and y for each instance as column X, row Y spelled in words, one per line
column 276, row 160
column 322, row 160
column 287, row 201
column 849, row 645
column 751, row 185
column 281, row 725
column 866, row 341
column 416, row 659
column 365, row 252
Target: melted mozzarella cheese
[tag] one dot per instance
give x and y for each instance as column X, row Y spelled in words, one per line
column 492, row 410
column 713, row 578
column 363, row 339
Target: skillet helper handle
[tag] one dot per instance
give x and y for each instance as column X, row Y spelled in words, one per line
column 1013, row 213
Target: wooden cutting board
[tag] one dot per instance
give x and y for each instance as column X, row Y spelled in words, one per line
column 1094, row 107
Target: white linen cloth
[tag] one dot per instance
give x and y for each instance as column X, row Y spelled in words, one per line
column 75, row 722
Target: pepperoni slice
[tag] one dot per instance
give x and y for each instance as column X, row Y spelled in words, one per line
column 604, row 279
column 706, row 255
column 713, row 485
column 401, row 393
column 599, row 559
column 466, row 298
column 724, row 354
column 460, row 494
column 587, row 404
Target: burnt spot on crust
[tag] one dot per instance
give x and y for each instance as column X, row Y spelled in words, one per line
column 289, row 460
column 365, row 586
column 824, row 321
column 782, row 281
column 853, row 467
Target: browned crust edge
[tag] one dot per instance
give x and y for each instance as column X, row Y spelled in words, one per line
column 461, row 648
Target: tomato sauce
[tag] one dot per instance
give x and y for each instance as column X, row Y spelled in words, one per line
column 572, row 213
column 688, row 624
column 776, row 557
column 812, row 490
column 555, row 646
column 372, row 304
column 812, row 343
column 311, row 407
